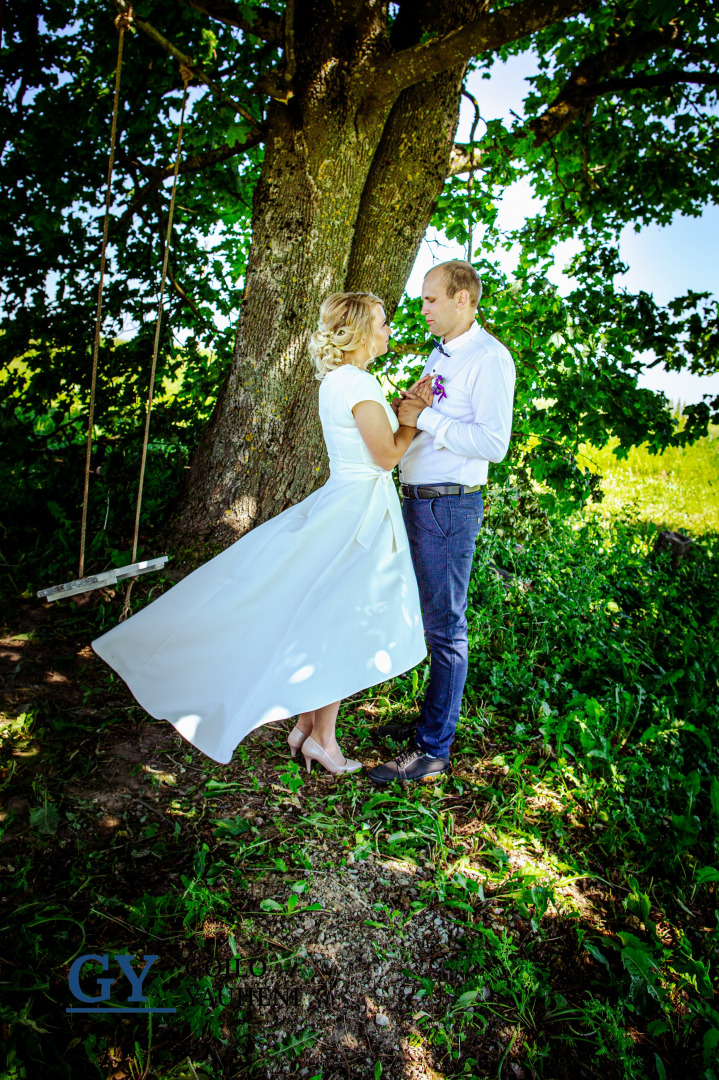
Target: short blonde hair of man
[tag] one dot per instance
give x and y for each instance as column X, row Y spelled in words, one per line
column 345, row 322
column 457, row 275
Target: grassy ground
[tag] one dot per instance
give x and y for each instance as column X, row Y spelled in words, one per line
column 548, row 909
column 678, row 489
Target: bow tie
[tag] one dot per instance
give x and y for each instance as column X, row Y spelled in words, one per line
column 440, row 347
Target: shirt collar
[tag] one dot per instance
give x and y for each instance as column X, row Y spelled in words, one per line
column 463, row 339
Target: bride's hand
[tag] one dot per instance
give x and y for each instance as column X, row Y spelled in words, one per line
column 410, row 408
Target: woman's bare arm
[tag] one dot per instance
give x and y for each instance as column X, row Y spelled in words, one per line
column 385, row 446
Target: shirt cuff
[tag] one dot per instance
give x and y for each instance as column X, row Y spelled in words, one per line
column 429, row 420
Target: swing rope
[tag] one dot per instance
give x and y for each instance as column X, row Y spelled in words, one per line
column 186, row 79
column 122, row 22
column 71, row 588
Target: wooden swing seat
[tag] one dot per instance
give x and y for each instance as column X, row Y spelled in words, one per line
column 99, row 581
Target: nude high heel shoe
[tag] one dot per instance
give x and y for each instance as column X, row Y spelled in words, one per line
column 312, row 751
column 295, row 739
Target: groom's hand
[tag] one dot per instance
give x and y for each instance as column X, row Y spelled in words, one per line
column 423, row 389
column 409, row 409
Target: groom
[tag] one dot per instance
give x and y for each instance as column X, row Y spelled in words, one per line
column 469, row 379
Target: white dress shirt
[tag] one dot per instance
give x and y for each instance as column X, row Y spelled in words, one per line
column 462, row 432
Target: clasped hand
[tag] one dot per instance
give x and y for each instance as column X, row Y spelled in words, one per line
column 418, row 397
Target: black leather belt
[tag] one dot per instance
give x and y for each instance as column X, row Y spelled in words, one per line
column 433, row 491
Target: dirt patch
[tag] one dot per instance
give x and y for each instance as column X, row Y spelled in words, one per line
column 351, row 972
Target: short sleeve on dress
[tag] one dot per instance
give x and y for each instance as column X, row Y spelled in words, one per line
column 362, row 386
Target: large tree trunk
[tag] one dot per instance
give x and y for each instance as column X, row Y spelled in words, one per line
column 345, row 196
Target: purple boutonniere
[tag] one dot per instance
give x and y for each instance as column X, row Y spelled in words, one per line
column 438, row 387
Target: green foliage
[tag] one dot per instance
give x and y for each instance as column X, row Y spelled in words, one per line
column 61, row 61
column 608, row 647
column 43, row 439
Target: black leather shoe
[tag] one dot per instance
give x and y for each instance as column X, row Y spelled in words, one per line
column 411, row 764
column 399, row 731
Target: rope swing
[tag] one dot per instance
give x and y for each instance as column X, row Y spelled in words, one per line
column 110, row 577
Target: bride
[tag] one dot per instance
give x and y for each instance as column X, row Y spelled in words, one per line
column 314, row 605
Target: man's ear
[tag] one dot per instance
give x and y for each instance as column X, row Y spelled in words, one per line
column 462, row 299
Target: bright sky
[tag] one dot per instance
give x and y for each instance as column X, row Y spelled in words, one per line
column 665, row 261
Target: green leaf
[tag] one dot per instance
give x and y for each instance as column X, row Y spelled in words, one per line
column 460, row 904
column 710, row 1043
column 270, row 905
column 695, row 972
column 232, row 826
column 220, row 785
column 45, row 819
column 597, row 954
column 686, row 829
column 631, row 941
column 714, row 795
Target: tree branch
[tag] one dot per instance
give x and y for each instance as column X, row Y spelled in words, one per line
column 490, row 31
column 647, row 82
column 183, row 294
column 193, row 164
column 265, row 23
column 210, row 157
column 582, row 88
column 587, row 83
column 289, row 41
column 178, row 288
column 189, row 63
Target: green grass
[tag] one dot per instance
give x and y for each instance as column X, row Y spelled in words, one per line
column 678, row 489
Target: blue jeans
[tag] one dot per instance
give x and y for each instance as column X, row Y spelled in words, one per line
column 442, row 535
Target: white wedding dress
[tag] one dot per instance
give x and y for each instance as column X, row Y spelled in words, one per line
column 314, row 605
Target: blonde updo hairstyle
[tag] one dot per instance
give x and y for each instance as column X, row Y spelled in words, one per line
column 345, row 323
